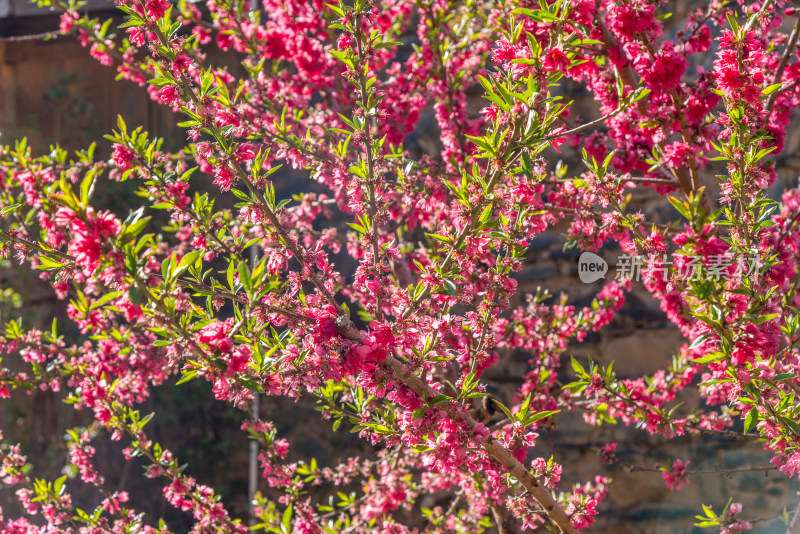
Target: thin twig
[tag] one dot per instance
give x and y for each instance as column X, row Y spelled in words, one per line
column 764, row 7
column 634, row 179
column 632, row 468
column 595, row 215
column 577, row 129
column 694, row 173
column 793, row 526
column 787, row 55
column 34, row 37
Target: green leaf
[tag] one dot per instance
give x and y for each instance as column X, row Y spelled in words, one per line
column 286, row 521
column 539, row 415
column 336, row 9
column 751, row 420
column 681, row 206
column 710, row 357
column 486, row 213
column 388, row 44
column 135, row 228
column 765, row 318
column 229, row 275
column 105, row 299
column 244, row 274
column 793, row 426
column 440, row 237
column 450, row 287
column 87, row 187
column 527, row 164
column 504, row 409
column 58, row 485
column 189, row 258
column 9, row 209
column 49, row 264
column 578, row 368
column 187, row 376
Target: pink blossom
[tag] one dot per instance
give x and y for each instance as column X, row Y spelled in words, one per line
column 123, row 156
column 157, row 8
column 675, row 476
column 345, row 41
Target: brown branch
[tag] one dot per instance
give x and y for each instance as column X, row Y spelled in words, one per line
column 33, row 37
column 493, row 448
column 595, row 215
column 637, row 179
column 691, row 183
column 794, row 526
column 632, row 468
column 372, row 208
column 576, row 129
column 787, row 55
column 764, row 7
column 505, row 524
column 230, row 296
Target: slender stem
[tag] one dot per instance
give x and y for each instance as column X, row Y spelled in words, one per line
column 589, row 124
column 33, row 37
column 191, row 211
column 36, row 246
column 686, row 136
column 752, row 20
column 255, row 408
column 632, row 468
column 595, row 215
column 787, row 55
column 794, row 526
column 373, row 210
column 634, row 179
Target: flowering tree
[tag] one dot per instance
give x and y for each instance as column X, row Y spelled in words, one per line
column 395, row 350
